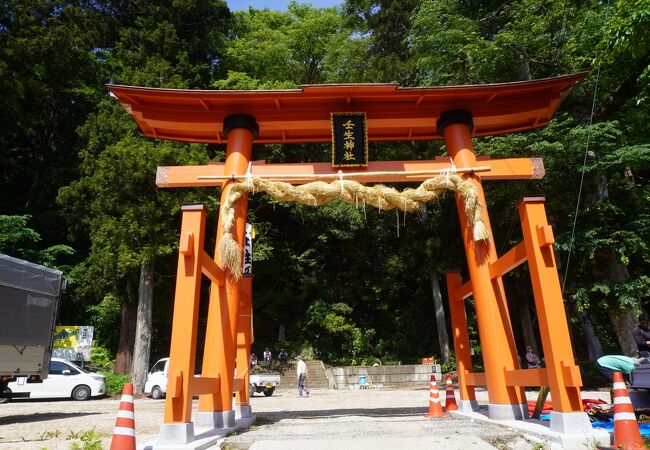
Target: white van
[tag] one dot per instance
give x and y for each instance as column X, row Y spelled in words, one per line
column 156, row 384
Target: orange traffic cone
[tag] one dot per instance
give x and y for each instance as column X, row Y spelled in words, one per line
column 626, row 427
column 450, row 402
column 124, row 432
column 435, row 409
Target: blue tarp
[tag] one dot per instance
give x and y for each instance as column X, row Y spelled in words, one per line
column 644, row 428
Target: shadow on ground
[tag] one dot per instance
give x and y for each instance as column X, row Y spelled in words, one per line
column 40, row 417
column 276, row 416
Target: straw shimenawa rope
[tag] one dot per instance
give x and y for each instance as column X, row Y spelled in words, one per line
column 352, row 192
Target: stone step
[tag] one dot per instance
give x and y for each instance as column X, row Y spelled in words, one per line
column 316, row 376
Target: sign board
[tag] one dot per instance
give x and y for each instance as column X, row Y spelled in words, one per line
column 247, row 267
column 73, row 342
column 349, row 140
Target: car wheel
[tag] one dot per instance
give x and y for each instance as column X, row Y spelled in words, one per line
column 156, row 393
column 6, row 399
column 268, row 392
column 81, row 393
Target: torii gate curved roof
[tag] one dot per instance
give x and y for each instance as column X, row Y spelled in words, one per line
column 303, row 115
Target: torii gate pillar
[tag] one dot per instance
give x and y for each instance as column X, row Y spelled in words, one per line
column 220, row 351
column 495, row 329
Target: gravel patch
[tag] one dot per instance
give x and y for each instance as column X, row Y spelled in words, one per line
column 333, row 419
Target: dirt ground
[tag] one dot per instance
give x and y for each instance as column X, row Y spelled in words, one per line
column 325, row 416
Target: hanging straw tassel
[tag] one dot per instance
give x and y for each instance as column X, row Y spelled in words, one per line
column 229, row 251
column 480, row 231
column 319, row 193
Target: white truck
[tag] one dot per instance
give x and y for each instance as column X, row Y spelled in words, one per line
column 156, row 384
column 264, row 382
column 29, row 301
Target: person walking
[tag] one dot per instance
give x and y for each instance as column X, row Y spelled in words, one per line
column 301, row 374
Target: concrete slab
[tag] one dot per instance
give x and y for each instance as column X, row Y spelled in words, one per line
column 507, row 412
column 539, row 430
column 416, row 443
column 203, row 438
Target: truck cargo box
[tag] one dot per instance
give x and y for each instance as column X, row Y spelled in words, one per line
column 29, row 301
column 640, row 376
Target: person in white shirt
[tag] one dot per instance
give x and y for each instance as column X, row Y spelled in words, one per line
column 301, row 374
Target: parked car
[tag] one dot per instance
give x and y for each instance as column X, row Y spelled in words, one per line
column 65, row 380
column 156, row 384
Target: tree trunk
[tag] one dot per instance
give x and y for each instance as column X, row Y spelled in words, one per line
column 142, row 346
column 522, row 294
column 594, row 347
column 443, row 338
column 527, row 328
column 623, row 322
column 124, row 356
column 524, row 68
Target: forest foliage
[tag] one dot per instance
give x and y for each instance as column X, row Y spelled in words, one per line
column 77, row 180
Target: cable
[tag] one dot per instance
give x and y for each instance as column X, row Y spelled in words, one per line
column 584, row 163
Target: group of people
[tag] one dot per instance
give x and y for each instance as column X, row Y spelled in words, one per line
column 283, row 356
column 268, row 357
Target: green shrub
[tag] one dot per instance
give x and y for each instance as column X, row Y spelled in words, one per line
column 115, row 383
column 101, row 358
column 370, row 360
column 449, row 366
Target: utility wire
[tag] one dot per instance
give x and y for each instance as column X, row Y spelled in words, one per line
column 584, row 162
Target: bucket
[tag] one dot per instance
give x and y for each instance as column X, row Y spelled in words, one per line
column 362, row 380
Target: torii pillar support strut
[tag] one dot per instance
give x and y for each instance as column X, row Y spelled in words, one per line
column 459, row 332
column 220, row 351
column 494, row 326
column 562, row 375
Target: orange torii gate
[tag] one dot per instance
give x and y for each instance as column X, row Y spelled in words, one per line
column 455, row 114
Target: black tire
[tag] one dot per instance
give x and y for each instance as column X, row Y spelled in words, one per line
column 81, row 393
column 156, row 393
column 269, row 392
column 6, row 399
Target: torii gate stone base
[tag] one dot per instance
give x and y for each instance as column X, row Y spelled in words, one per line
column 455, row 114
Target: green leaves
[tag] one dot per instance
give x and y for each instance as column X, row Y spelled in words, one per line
column 277, row 50
column 20, row 241
column 337, row 277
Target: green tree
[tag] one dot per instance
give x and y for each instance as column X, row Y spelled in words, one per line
column 21, row 241
column 275, row 50
column 385, row 26
column 130, row 223
column 48, row 84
